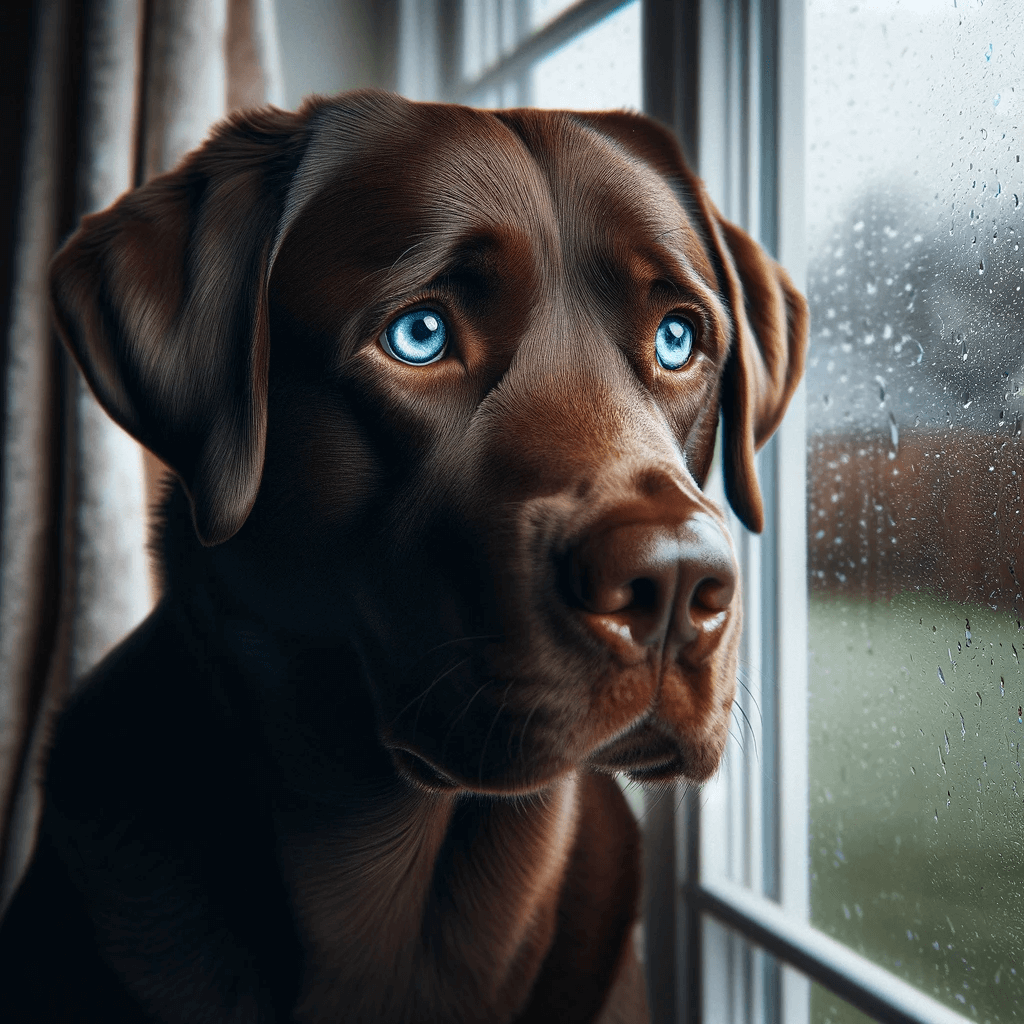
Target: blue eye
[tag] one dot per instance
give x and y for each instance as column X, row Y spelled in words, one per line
column 416, row 338
column 673, row 341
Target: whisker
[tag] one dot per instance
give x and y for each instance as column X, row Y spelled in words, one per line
column 753, row 699
column 750, row 728
column 459, row 640
column 494, row 722
column 423, row 696
column 465, row 708
column 451, row 668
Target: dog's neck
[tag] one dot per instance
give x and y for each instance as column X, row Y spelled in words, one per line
column 390, row 885
column 389, row 898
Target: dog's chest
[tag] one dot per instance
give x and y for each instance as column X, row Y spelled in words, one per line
column 401, row 921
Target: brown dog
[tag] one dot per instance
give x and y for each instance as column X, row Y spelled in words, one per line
column 440, row 387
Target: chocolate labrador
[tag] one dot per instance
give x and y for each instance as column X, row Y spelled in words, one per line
column 440, row 389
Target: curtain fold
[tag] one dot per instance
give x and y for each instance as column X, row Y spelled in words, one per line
column 119, row 90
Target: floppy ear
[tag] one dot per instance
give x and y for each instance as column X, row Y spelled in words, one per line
column 766, row 357
column 162, row 300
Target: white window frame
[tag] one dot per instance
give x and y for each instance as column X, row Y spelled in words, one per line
column 728, row 77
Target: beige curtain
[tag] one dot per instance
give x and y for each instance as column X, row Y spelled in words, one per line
column 113, row 92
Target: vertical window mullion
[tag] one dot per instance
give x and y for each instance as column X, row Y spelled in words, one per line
column 790, row 478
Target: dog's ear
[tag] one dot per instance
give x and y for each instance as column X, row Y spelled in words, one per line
column 766, row 358
column 162, row 300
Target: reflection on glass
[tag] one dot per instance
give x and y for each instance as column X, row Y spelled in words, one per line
column 740, row 980
column 543, row 11
column 915, row 458
column 598, row 70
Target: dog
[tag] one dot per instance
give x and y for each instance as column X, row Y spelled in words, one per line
column 440, row 389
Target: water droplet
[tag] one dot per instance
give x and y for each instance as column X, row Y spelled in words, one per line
column 949, row 799
column 964, row 351
column 1016, row 199
column 967, row 631
column 913, row 770
column 981, row 270
column 965, row 399
column 945, row 736
column 894, row 432
column 963, row 727
column 1016, row 657
column 1002, row 687
column 984, row 133
column 826, row 401
column 988, row 53
column 846, row 911
column 942, row 678
column 996, row 99
column 1002, row 418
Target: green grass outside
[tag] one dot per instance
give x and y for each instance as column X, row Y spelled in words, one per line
column 917, row 797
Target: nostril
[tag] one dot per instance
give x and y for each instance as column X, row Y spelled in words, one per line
column 645, row 594
column 713, row 595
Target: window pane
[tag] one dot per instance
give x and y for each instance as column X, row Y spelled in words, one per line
column 916, row 547
column 543, row 11
column 827, row 1008
column 598, row 70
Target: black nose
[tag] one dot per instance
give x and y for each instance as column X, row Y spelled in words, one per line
column 667, row 584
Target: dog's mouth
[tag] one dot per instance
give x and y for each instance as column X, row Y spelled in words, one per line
column 647, row 754
column 420, row 772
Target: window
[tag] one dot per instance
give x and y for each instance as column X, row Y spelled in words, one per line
column 859, row 855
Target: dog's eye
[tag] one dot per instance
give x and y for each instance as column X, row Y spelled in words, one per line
column 416, row 338
column 673, row 341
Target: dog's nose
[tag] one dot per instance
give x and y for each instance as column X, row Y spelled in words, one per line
column 647, row 584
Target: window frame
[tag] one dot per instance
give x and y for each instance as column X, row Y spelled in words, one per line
column 728, row 77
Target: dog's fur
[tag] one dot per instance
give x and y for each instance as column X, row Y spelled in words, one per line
column 357, row 764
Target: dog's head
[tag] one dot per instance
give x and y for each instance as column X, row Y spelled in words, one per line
column 442, row 388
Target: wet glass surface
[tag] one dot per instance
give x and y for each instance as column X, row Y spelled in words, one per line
column 915, row 399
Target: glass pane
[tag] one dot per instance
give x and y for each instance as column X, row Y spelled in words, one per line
column 490, row 29
column 741, row 983
column 915, row 457
column 543, row 11
column 599, row 70
column 827, row 1008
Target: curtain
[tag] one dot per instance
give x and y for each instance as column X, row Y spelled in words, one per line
column 100, row 96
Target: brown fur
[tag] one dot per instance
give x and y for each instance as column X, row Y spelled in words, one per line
column 355, row 766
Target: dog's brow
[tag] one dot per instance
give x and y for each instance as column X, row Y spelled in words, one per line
column 472, row 252
column 669, row 267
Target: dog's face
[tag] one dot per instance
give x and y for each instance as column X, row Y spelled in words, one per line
column 443, row 386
